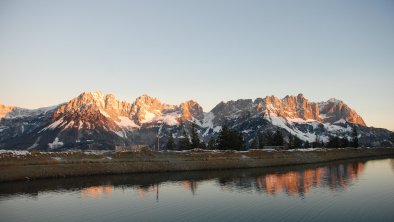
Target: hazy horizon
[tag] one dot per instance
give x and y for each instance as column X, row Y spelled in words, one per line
column 51, row 51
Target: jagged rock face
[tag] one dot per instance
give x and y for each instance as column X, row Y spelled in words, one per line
column 191, row 109
column 90, row 111
column 94, row 120
column 334, row 110
column 146, row 108
column 299, row 107
column 93, row 102
column 227, row 111
column 4, row 110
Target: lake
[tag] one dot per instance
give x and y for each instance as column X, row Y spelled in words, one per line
column 353, row 190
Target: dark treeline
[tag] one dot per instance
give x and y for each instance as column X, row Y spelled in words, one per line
column 229, row 139
column 226, row 139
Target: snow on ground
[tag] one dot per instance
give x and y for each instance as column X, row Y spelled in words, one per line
column 55, row 144
column 306, row 149
column 15, row 152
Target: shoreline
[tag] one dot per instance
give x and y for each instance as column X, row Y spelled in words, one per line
column 29, row 166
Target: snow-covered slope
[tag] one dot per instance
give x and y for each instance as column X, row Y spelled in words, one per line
column 94, row 120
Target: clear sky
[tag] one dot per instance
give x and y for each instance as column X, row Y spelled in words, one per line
column 209, row 51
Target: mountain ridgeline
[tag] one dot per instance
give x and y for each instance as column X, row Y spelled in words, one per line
column 95, row 120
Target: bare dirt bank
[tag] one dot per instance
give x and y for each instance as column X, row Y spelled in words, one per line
column 66, row 164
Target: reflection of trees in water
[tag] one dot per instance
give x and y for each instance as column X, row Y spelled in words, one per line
column 145, row 190
column 335, row 177
column 292, row 180
column 190, row 185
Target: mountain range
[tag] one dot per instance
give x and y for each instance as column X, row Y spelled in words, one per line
column 94, row 120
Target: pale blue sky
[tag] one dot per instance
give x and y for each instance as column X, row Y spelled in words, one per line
column 50, row 51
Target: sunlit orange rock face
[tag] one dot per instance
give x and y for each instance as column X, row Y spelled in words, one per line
column 5, row 109
column 336, row 110
column 146, row 107
column 93, row 102
column 93, row 110
column 191, row 109
column 292, row 107
column 97, row 191
column 299, row 107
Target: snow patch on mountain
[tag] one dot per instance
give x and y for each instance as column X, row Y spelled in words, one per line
column 104, row 113
column 148, row 117
column 171, row 119
column 23, row 113
column 121, row 134
column 53, row 125
column 55, row 144
column 208, row 120
column 340, row 121
column 282, row 123
column 126, row 122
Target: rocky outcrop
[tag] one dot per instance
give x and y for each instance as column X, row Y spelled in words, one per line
column 4, row 110
column 191, row 110
column 335, row 110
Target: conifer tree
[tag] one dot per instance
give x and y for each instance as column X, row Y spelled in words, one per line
column 229, row 139
column 355, row 137
column 255, row 143
column 211, row 143
column 195, row 139
column 170, row 143
column 184, row 143
column 261, row 141
column 278, row 138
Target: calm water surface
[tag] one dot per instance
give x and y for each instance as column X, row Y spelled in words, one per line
column 357, row 190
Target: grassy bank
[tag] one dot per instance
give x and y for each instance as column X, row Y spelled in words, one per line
column 22, row 166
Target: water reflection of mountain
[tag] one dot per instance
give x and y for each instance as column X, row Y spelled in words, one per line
column 97, row 191
column 298, row 182
column 292, row 180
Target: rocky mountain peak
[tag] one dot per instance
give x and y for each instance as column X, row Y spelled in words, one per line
column 96, row 101
column 146, row 108
column 334, row 110
column 190, row 109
